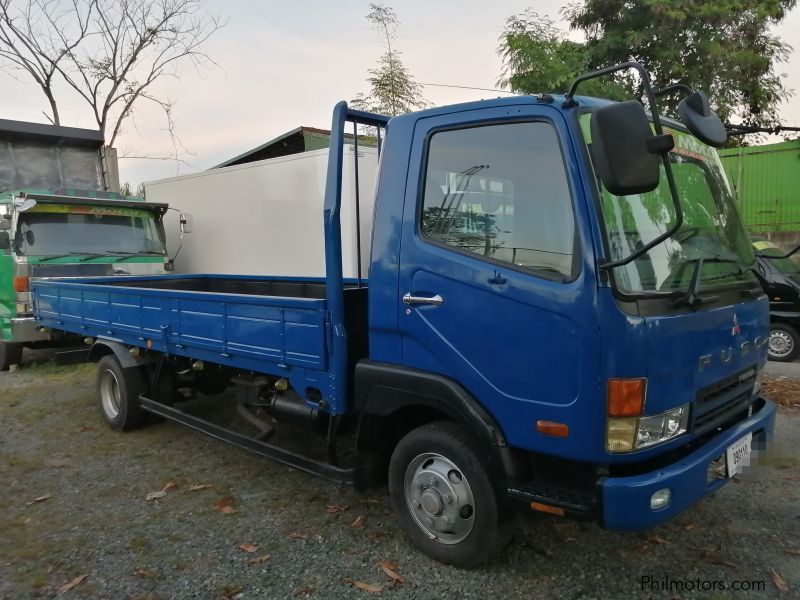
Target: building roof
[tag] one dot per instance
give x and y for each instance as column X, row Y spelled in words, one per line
column 300, row 139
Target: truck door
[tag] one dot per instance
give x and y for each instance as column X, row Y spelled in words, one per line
column 496, row 274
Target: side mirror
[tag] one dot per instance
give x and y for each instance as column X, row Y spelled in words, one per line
column 5, row 240
column 696, row 114
column 186, row 223
column 626, row 153
column 5, row 224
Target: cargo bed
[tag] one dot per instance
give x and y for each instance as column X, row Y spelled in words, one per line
column 276, row 326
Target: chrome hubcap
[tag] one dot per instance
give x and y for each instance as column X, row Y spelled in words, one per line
column 439, row 498
column 780, row 343
column 109, row 393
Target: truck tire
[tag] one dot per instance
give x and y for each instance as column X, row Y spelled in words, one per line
column 444, row 498
column 10, row 354
column 784, row 343
column 118, row 392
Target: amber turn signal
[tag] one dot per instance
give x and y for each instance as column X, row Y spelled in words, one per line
column 22, row 284
column 626, row 397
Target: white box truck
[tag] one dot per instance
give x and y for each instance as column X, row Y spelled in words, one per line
column 265, row 217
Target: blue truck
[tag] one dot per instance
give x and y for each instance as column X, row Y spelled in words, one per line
column 559, row 315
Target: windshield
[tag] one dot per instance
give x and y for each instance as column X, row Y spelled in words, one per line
column 711, row 229
column 782, row 265
column 49, row 229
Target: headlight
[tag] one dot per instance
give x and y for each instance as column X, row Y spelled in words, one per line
column 635, row 433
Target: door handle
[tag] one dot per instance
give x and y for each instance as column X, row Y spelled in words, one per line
column 436, row 300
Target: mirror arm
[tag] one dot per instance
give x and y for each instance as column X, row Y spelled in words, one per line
column 675, row 87
column 569, row 101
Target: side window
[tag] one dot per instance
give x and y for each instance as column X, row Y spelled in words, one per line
column 501, row 192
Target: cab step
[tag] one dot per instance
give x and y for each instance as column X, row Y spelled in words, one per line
column 576, row 502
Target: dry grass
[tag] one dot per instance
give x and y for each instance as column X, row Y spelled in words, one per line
column 783, row 391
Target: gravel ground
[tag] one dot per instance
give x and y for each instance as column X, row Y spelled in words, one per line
column 73, row 504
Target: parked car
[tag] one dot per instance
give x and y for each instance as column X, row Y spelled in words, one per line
column 780, row 278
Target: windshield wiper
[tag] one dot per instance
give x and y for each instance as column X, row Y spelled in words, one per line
column 55, row 256
column 65, row 255
column 129, row 255
column 692, row 297
column 91, row 255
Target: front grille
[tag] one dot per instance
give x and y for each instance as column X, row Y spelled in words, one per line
column 719, row 402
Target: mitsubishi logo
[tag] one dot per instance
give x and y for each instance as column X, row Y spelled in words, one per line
column 735, row 330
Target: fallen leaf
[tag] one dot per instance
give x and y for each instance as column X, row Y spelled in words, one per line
column 795, row 551
column 223, row 502
column 170, row 485
column 358, row 523
column 296, row 535
column 335, row 509
column 389, row 569
column 258, row 560
column 367, row 587
column 690, row 526
column 71, row 584
column 778, row 581
column 247, row 547
column 87, row 428
column 716, row 560
column 230, row 591
column 303, row 591
column 155, row 495
column 229, row 510
column 144, row 573
column 39, row 499
column 657, row 539
column 197, row 487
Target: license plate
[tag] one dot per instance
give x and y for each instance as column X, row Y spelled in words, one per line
column 738, row 455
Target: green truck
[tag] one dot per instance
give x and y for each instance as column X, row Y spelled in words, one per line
column 61, row 216
column 766, row 183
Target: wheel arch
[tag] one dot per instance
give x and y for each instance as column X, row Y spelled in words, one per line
column 391, row 400
column 103, row 347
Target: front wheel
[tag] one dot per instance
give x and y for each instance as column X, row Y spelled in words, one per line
column 443, row 495
column 118, row 393
column 10, row 354
column 784, row 343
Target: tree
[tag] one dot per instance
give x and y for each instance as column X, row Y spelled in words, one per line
column 723, row 47
column 393, row 90
column 126, row 189
column 109, row 52
column 538, row 57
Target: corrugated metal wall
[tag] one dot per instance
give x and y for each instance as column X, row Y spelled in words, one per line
column 766, row 180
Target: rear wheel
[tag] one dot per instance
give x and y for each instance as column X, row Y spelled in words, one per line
column 784, row 343
column 10, row 354
column 443, row 495
column 118, row 393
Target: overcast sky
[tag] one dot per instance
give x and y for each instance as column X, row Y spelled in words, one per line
column 285, row 64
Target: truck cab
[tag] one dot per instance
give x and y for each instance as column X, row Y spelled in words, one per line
column 560, row 315
column 59, row 217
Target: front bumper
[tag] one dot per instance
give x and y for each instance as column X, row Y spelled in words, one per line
column 25, row 329
column 625, row 501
